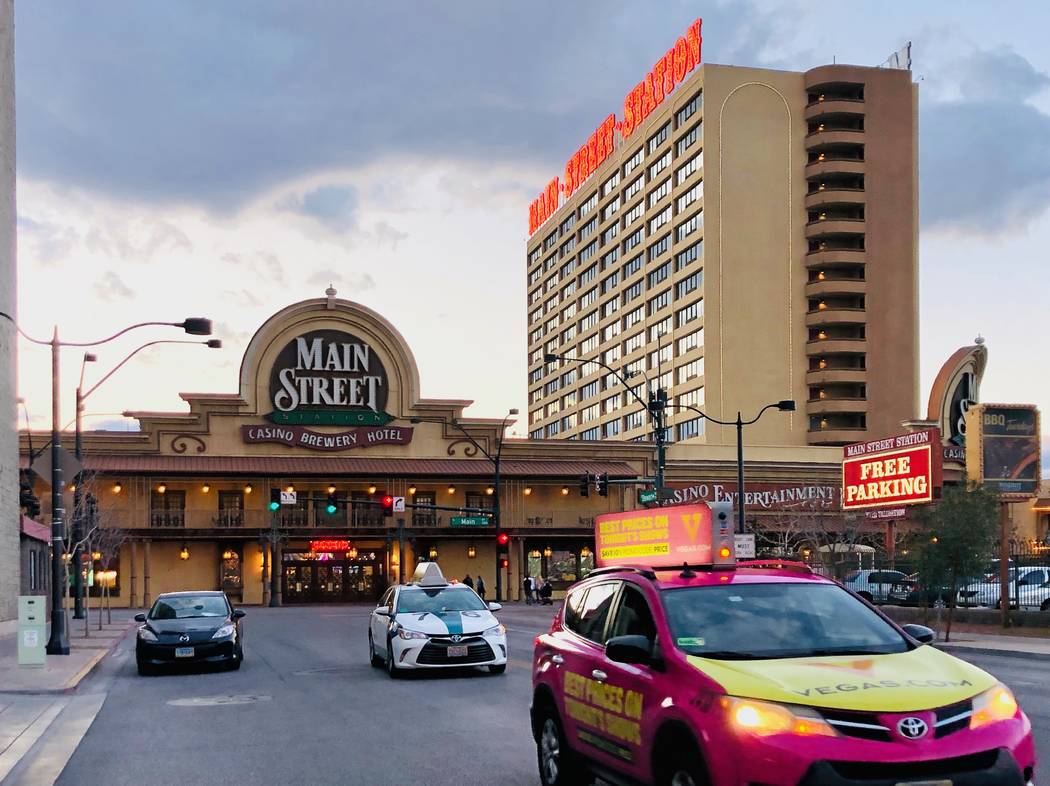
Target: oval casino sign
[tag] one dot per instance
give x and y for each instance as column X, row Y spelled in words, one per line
column 328, row 378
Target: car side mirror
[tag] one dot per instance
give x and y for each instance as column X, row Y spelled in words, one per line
column 629, row 649
column 237, row 614
column 495, row 606
column 383, row 611
column 920, row 633
column 140, row 618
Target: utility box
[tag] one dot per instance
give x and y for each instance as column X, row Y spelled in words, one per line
column 32, row 630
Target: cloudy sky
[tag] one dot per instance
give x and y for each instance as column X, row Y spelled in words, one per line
column 226, row 159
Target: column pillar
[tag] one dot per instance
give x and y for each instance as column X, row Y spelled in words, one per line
column 275, row 569
column 147, row 599
column 133, row 595
column 265, row 574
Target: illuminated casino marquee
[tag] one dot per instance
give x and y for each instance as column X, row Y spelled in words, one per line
column 669, row 71
column 901, row 470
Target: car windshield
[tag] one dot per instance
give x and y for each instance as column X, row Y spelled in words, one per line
column 419, row 600
column 752, row 621
column 189, row 606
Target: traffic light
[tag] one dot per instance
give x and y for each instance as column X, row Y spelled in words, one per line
column 388, row 505
column 275, row 499
column 332, row 506
column 603, row 484
column 585, row 485
column 502, row 540
column 504, row 563
column 26, row 497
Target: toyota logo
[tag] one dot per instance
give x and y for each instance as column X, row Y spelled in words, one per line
column 912, row 728
column 456, row 637
column 184, row 637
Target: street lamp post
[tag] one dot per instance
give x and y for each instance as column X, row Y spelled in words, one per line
column 785, row 405
column 58, row 641
column 656, row 407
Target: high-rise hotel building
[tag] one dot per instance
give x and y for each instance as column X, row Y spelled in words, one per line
column 752, row 239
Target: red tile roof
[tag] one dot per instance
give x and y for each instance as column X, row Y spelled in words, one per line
column 345, row 465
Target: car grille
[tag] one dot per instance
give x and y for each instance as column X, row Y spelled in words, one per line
column 435, row 654
column 934, row 768
column 952, row 719
column 864, row 725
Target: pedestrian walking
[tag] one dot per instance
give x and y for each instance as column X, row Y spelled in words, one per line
column 526, row 586
column 480, row 587
column 546, row 593
column 468, row 581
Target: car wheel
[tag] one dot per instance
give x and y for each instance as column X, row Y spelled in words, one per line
column 498, row 669
column 559, row 766
column 1046, row 605
column 145, row 670
column 373, row 658
column 684, row 767
column 234, row 665
column 391, row 666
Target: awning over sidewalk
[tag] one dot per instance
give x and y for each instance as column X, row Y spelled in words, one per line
column 35, row 530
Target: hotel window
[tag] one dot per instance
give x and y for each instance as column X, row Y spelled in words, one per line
column 535, row 335
column 588, row 228
column 569, row 399
column 633, row 214
column 589, row 251
column 568, row 334
column 694, row 398
column 691, row 341
column 536, row 374
column 690, row 196
column 568, row 289
column 660, row 219
column 688, row 227
column 567, row 247
column 661, row 164
column 610, row 184
column 610, row 233
column 568, row 422
column 589, row 205
column 568, row 312
column 610, row 257
column 535, row 296
column 660, row 330
column 634, row 367
column 634, row 317
column 690, row 428
column 660, row 192
column 590, row 390
column 534, row 255
column 659, row 137
column 534, row 434
column 550, row 240
column 687, row 111
column 691, row 370
column 231, row 509
column 660, row 358
column 534, row 276
column 551, row 387
column 634, row 343
column 568, row 377
column 633, row 420
column 553, row 408
column 611, row 429
column 634, row 239
column 588, row 321
column 590, row 434
column 589, row 298
column 568, row 223
column 610, row 307
column 687, row 285
column 632, row 292
column 687, row 141
column 689, row 313
column 535, row 395
column 552, row 429
column 659, row 274
column 611, row 331
column 634, row 188
column 610, row 282
column 550, row 262
column 611, row 404
column 168, row 509
column 664, row 380
column 589, row 344
column 568, row 267
column 611, row 355
column 552, row 303
column 683, row 172
column 551, row 324
column 588, row 275
column 633, row 162
column 632, row 267
column 663, row 300
column 610, row 208
column 587, row 414
column 687, row 256
column 660, row 247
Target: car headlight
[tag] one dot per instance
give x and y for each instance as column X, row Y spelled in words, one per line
column 763, row 718
column 223, row 632
column 496, row 630
column 405, row 633
column 147, row 635
column 993, row 705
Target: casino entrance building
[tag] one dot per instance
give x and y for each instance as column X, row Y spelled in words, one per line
column 327, row 407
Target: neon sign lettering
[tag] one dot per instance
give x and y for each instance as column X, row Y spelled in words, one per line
column 668, row 72
column 329, row 545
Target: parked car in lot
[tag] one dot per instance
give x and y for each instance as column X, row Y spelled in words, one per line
column 873, row 585
column 910, row 591
column 1029, row 585
column 189, row 627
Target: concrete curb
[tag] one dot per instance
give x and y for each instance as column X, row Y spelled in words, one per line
column 969, row 649
column 71, row 684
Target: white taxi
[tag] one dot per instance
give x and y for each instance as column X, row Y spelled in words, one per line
column 430, row 623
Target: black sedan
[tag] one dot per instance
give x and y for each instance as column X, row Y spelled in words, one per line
column 189, row 627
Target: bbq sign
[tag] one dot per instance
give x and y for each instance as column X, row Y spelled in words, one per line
column 901, row 470
column 328, row 378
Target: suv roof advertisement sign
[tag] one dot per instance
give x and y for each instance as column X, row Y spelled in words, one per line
column 892, row 472
column 654, row 537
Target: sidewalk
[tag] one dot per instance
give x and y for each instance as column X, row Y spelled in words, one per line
column 1032, row 647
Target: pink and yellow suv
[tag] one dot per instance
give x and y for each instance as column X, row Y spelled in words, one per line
column 760, row 675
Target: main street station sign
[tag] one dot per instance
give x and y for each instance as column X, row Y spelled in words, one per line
column 892, row 472
column 328, row 378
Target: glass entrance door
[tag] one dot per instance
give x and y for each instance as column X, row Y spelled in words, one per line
column 298, row 583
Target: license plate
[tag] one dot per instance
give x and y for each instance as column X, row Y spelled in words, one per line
column 925, row 783
column 457, row 652
column 184, row 652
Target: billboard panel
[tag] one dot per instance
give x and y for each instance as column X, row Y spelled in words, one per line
column 892, row 472
column 1005, row 454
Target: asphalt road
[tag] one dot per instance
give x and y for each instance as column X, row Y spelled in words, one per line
column 315, row 712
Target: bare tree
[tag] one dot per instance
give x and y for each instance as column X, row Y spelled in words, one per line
column 784, row 535
column 106, row 542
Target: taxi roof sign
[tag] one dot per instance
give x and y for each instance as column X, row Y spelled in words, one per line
column 428, row 574
column 698, row 535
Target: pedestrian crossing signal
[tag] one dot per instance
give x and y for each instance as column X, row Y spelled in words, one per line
column 333, row 505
